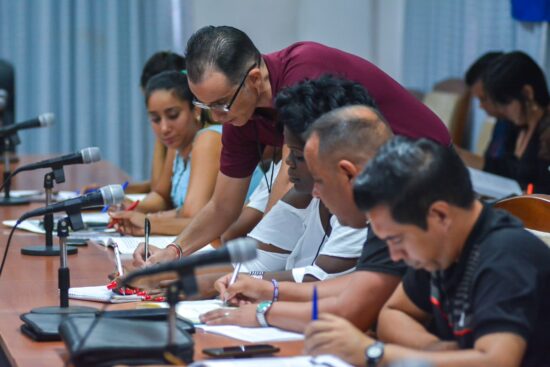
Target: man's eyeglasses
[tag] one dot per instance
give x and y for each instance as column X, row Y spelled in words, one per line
column 224, row 107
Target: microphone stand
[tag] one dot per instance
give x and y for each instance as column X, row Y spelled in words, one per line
column 7, row 199
column 186, row 283
column 49, row 249
column 73, row 220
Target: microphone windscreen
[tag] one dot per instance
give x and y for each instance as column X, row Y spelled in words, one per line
column 46, row 119
column 90, row 155
column 3, row 98
column 112, row 194
column 242, row 249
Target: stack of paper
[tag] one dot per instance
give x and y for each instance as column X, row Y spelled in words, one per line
column 101, row 293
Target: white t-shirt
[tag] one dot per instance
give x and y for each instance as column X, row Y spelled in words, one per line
column 300, row 231
column 259, row 197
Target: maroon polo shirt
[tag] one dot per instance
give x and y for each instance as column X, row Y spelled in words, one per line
column 406, row 115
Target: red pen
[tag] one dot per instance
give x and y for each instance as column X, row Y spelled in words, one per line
column 529, row 190
column 128, row 209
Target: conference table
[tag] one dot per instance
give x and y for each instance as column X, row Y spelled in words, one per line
column 28, row 281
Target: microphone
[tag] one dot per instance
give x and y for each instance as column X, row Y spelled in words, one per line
column 107, row 195
column 45, row 119
column 237, row 251
column 86, row 155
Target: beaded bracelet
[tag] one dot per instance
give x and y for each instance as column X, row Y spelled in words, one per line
column 177, row 248
column 275, row 290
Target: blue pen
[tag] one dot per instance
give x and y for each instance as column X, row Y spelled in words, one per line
column 314, row 306
column 106, row 207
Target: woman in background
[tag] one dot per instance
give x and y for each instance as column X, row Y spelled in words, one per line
column 517, row 87
column 188, row 180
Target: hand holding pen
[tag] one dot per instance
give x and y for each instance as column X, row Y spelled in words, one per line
column 115, row 220
column 232, row 281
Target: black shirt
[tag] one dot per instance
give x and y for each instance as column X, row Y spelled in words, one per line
column 508, row 291
column 531, row 167
column 375, row 257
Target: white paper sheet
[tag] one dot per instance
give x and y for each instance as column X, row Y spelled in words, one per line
column 493, row 186
column 191, row 310
column 128, row 244
column 252, row 334
column 299, row 361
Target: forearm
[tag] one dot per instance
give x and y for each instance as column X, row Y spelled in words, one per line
column 397, row 327
column 296, row 316
column 460, row 358
column 205, row 227
column 164, row 225
column 138, row 188
column 152, row 203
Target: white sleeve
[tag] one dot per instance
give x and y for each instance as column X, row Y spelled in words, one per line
column 343, row 242
column 266, row 261
column 299, row 273
column 260, row 196
column 282, row 226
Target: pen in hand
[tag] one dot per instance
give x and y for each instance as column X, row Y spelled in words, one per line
column 232, row 280
column 117, row 259
column 128, row 209
column 314, row 305
column 147, row 228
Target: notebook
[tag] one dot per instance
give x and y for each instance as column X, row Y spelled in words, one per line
column 101, row 293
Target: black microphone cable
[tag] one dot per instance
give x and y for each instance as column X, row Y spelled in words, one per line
column 7, row 180
column 7, row 247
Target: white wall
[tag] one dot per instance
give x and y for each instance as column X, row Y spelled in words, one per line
column 372, row 29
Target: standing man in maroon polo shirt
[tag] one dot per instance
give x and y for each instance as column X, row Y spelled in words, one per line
column 230, row 77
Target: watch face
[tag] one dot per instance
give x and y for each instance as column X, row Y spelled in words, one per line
column 375, row 351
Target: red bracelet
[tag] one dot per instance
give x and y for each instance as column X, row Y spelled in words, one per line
column 177, row 248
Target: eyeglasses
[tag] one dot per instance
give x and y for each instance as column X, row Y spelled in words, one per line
column 224, row 107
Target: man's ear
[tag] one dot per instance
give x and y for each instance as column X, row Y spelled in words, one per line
column 348, row 169
column 439, row 214
column 255, row 78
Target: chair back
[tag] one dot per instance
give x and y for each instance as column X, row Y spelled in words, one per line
column 533, row 210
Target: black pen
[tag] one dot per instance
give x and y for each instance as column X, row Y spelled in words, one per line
column 147, row 228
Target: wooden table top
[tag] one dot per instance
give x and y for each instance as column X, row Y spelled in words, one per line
column 28, row 282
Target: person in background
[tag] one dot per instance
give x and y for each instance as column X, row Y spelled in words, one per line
column 478, row 289
column 237, row 84
column 503, row 137
column 187, row 187
column 515, row 90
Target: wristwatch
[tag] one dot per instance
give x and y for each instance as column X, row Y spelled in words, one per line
column 261, row 311
column 374, row 354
